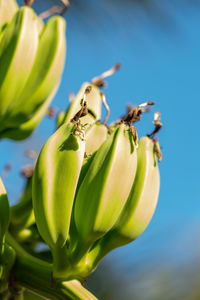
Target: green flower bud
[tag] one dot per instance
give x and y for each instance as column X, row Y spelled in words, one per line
column 143, row 197
column 54, row 183
column 105, row 188
column 32, row 59
column 16, row 56
column 139, row 207
column 7, row 9
column 95, row 136
column 25, row 129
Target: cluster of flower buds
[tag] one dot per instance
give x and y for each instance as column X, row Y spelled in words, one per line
column 32, row 56
column 95, row 187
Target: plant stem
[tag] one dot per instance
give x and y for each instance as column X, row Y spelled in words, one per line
column 39, row 280
column 19, row 297
column 61, row 263
column 76, row 288
column 69, row 268
column 36, row 275
column 109, row 242
column 36, row 278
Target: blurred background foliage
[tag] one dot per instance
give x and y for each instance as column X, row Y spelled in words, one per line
column 158, row 44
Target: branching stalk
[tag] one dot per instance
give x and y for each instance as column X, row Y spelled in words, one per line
column 36, row 275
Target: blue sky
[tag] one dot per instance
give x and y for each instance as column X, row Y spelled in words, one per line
column 160, row 56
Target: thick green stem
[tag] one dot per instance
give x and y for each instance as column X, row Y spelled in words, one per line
column 12, row 242
column 75, row 288
column 61, row 264
column 110, row 241
column 36, row 275
column 39, row 280
column 36, row 278
column 66, row 267
column 19, row 297
column 81, row 250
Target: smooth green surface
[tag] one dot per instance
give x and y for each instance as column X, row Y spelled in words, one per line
column 139, row 207
column 32, row 58
column 18, row 50
column 7, row 9
column 54, row 184
column 143, row 197
column 105, row 188
column 24, row 130
column 46, row 71
column 95, row 136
